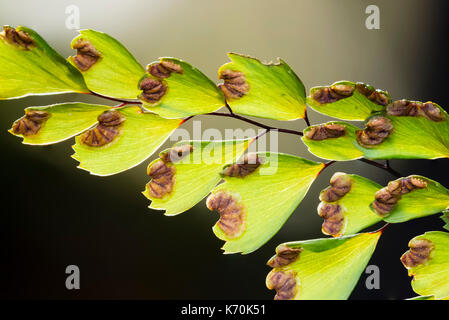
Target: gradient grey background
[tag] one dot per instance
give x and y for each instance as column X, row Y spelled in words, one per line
column 54, row 215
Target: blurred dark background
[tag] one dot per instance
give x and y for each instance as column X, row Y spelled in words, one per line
column 54, row 214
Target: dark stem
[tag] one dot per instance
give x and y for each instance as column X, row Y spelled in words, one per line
column 385, row 167
column 235, row 116
column 306, row 119
column 114, row 99
column 261, row 134
column 228, row 107
column 381, row 229
column 327, row 164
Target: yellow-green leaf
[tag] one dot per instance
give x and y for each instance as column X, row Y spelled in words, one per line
column 271, row 91
column 140, row 135
column 320, row 269
column 28, row 65
column 107, row 66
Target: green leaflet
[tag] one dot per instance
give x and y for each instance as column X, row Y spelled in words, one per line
column 412, row 138
column 356, row 106
column 341, row 148
column 321, row 268
column 140, row 136
column 445, row 218
column 271, row 91
column 260, row 203
column 114, row 72
column 28, row 65
column 65, row 121
column 419, row 202
column 196, row 174
column 428, row 262
column 188, row 91
column 345, row 204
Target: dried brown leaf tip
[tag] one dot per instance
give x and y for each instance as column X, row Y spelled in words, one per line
column 108, row 127
column 418, row 254
column 249, row 164
column 416, row 109
column 162, row 179
column 387, row 198
column 340, row 184
column 377, row 96
column 284, row 256
column 333, row 93
column 377, row 129
column 31, row 123
column 326, row 131
column 163, row 69
column 284, row 282
column 232, row 213
column 86, row 55
column 334, row 218
column 176, row 153
column 17, row 38
column 235, row 85
column 153, row 90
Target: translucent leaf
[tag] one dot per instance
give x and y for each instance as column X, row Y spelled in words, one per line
column 59, row 122
column 445, row 218
column 184, row 90
column 345, row 204
column 28, row 65
column 107, row 66
column 256, row 199
column 427, row 262
column 271, row 91
column 196, row 172
column 333, row 141
column 411, row 138
column 133, row 141
column 348, row 100
column 320, row 269
column 410, row 198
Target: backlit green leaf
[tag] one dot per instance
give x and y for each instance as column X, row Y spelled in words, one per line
column 254, row 207
column 28, row 65
column 445, row 218
column 141, row 134
column 321, row 268
column 187, row 90
column 271, row 91
column 347, row 100
column 345, row 204
column 195, row 175
column 107, row 66
column 427, row 262
column 325, row 142
column 64, row 121
column 414, row 202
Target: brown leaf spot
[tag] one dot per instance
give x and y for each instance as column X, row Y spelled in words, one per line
column 326, row 131
column 250, row 164
column 31, row 123
column 333, row 218
column 387, row 198
column 108, row 127
column 235, row 85
column 17, row 38
column 162, row 179
column 377, row 129
column 377, row 96
column 340, row 185
column 284, row 283
column 333, row 93
column 176, row 153
column 163, row 69
column 418, row 254
column 284, row 256
column 153, row 90
column 416, row 109
column 86, row 55
column 232, row 213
